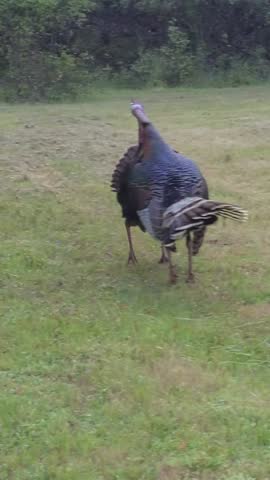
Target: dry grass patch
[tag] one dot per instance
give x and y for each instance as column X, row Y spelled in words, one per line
column 255, row 312
column 168, row 472
column 173, row 371
column 173, row 473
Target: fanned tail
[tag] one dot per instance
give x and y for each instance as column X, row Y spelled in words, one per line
column 225, row 210
column 194, row 213
column 130, row 158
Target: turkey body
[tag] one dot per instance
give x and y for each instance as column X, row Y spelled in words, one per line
column 147, row 185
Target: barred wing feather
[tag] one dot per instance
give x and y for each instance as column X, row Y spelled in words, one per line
column 193, row 212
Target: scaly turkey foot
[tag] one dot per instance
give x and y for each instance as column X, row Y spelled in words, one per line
column 190, row 278
column 132, row 258
column 163, row 259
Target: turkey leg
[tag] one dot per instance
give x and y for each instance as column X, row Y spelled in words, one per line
column 164, row 256
column 131, row 256
column 172, row 272
column 190, row 277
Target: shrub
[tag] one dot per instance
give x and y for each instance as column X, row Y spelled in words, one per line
column 170, row 65
column 35, row 74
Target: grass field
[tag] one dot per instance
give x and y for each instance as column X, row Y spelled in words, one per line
column 106, row 372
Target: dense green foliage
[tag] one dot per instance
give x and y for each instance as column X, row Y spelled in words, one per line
column 50, row 46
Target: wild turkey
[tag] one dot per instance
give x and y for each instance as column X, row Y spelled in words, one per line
column 165, row 194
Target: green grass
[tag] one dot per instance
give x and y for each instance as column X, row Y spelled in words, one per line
column 106, row 372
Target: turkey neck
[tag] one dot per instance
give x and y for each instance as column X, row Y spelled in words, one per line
column 153, row 146
column 150, row 142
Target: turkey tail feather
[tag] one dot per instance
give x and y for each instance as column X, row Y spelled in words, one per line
column 230, row 211
column 193, row 213
column 130, row 158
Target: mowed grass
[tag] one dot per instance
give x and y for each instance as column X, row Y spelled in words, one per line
column 106, row 372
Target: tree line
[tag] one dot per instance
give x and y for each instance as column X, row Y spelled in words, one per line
column 52, row 48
